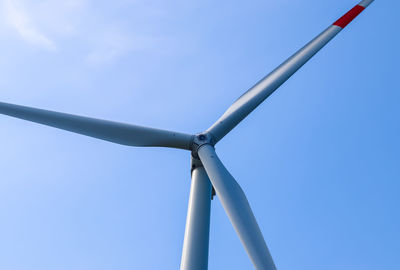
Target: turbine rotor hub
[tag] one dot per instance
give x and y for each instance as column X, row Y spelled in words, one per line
column 198, row 141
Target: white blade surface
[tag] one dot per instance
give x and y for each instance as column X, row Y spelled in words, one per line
column 264, row 88
column 237, row 208
column 101, row 129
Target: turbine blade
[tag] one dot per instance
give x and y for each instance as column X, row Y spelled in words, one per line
column 101, row 129
column 265, row 87
column 237, row 208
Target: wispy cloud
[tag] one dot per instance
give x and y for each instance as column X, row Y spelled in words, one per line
column 109, row 47
column 113, row 43
column 17, row 18
column 102, row 33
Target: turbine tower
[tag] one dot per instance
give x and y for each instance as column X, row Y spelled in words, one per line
column 208, row 172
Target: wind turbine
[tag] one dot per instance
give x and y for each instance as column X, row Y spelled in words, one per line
column 208, row 172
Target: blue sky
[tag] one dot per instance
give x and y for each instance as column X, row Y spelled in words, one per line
column 319, row 160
